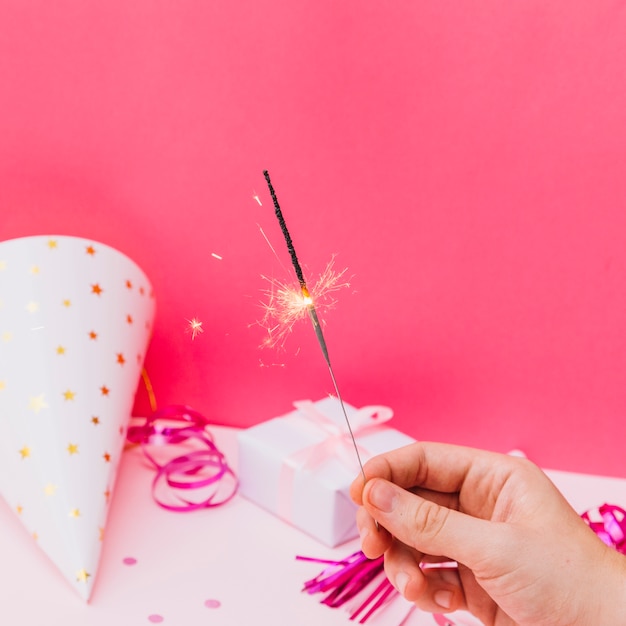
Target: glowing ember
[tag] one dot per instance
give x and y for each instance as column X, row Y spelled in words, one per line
column 287, row 303
column 195, row 327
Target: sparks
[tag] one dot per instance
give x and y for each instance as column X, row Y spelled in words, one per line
column 262, row 364
column 255, row 196
column 271, row 247
column 287, row 304
column 216, row 256
column 311, row 309
column 194, row 327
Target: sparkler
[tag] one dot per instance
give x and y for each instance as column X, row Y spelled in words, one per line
column 195, row 327
column 308, row 304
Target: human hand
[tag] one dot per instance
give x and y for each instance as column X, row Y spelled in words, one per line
column 524, row 555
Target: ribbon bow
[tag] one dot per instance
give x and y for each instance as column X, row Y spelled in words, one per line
column 336, row 443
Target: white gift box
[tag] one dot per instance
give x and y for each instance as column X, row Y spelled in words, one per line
column 300, row 466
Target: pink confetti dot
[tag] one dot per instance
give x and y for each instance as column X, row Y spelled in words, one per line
column 129, row 560
column 155, row 619
column 212, row 604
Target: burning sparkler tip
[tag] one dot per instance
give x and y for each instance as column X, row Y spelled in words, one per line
column 288, row 303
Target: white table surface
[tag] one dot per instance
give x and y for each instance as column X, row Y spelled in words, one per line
column 237, row 554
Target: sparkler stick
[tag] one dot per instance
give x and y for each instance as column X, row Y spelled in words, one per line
column 310, row 306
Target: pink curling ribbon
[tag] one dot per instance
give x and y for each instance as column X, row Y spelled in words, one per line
column 336, row 443
column 609, row 523
column 203, row 468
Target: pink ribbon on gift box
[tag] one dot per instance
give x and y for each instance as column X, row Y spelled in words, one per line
column 337, row 443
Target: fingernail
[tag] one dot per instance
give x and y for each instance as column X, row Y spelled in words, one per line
column 383, row 496
column 401, row 581
column 443, row 598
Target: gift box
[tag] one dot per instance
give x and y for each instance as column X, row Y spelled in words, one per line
column 300, row 466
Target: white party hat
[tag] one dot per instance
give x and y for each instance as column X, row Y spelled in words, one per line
column 75, row 322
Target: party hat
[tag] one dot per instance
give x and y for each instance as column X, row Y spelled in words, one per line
column 75, row 322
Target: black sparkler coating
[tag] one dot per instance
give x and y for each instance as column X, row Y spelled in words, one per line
column 311, row 310
column 296, row 265
column 283, row 227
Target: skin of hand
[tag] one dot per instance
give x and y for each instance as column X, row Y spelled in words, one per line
column 524, row 555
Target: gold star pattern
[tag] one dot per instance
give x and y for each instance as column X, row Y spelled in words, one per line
column 95, row 420
column 19, row 508
column 104, row 390
column 3, row 384
column 101, row 533
column 75, row 513
column 3, row 265
column 60, row 350
column 7, row 336
column 107, row 457
column 120, row 358
column 96, row 289
column 25, row 452
column 67, row 303
column 129, row 285
column 36, row 403
column 69, row 394
column 72, row 448
column 50, row 489
column 129, row 319
column 52, row 244
column 34, row 269
column 107, row 495
column 35, row 536
column 90, row 250
column 82, row 575
column 93, row 335
column 32, row 307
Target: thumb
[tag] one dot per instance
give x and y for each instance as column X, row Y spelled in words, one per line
column 431, row 528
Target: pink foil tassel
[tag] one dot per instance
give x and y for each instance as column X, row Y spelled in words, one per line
column 612, row 528
column 343, row 580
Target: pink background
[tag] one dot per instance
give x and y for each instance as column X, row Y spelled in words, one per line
column 465, row 161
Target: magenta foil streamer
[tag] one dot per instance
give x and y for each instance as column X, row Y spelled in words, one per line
column 341, row 581
column 202, row 469
column 609, row 523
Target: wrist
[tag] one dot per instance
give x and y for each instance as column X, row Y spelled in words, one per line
column 611, row 602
